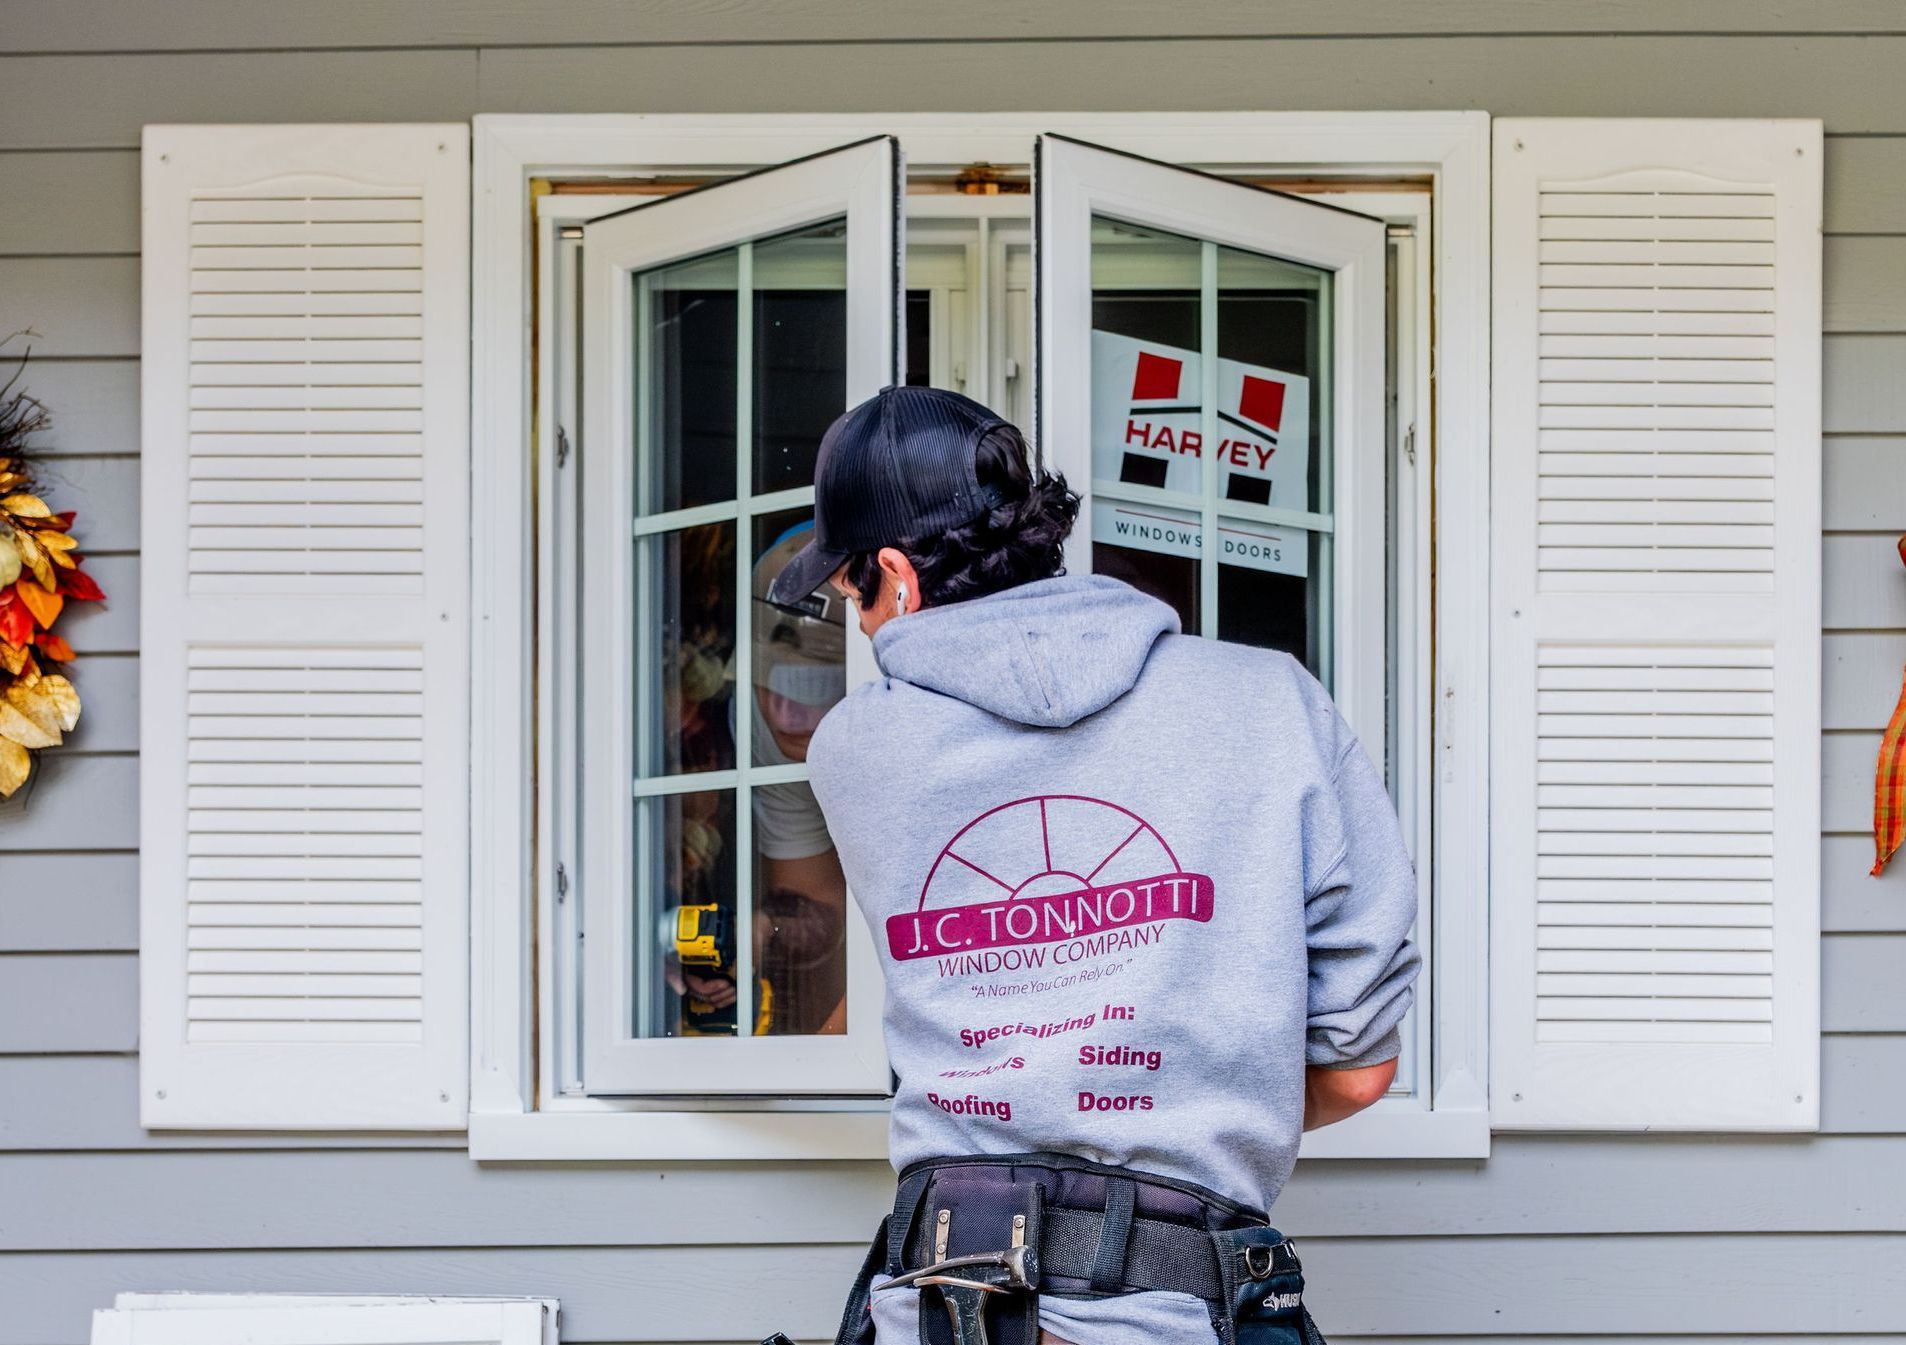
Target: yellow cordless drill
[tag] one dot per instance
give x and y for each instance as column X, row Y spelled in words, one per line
column 705, row 943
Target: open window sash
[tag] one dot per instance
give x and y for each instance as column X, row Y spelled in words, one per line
column 1211, row 378
column 1272, row 471
column 702, row 304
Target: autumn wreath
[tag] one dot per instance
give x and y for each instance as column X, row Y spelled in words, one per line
column 40, row 572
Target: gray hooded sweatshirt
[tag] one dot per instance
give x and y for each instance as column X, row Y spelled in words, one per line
column 1125, row 883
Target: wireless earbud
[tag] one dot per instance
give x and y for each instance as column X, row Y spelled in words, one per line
column 900, row 600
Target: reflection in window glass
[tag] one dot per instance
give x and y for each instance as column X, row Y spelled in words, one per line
column 685, row 640
column 740, row 904
column 799, row 674
column 1159, row 301
column 685, row 881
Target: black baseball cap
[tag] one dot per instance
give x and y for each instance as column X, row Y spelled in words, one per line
column 899, row 465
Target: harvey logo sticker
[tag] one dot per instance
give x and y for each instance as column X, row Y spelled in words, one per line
column 1055, row 869
column 1147, row 423
column 1148, row 430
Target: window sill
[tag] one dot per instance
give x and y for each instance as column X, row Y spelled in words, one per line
column 1383, row 1132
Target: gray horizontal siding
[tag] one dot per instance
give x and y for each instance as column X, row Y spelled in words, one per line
column 207, row 1201
column 1779, row 1283
column 95, row 25
column 1646, row 1240
column 100, row 101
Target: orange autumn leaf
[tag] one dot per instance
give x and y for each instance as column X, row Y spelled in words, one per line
column 43, row 603
column 16, row 623
column 53, row 647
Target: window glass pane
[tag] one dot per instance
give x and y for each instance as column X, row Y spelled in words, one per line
column 1153, row 548
column 1146, row 396
column 1265, row 596
column 919, row 338
column 685, row 384
column 1157, row 301
column 1273, row 390
column 800, row 350
column 684, row 929
column 685, row 644
column 799, row 674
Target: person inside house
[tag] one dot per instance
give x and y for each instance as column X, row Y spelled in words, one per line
column 1142, row 903
column 799, row 674
column 799, row 925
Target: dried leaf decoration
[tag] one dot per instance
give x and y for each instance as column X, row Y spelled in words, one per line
column 41, row 574
column 44, row 604
column 16, row 763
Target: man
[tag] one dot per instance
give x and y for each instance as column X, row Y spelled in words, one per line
column 1142, row 902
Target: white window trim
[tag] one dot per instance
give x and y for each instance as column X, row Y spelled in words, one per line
column 505, row 1119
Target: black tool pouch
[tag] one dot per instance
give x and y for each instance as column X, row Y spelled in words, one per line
column 1264, row 1288
column 972, row 1214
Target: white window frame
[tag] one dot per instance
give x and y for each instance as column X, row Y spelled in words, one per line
column 513, row 1113
column 961, row 338
column 851, row 182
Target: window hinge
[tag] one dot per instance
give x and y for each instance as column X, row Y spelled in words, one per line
column 1409, row 443
column 562, row 445
column 562, row 881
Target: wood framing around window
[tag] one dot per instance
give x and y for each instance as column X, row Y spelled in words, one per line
column 511, row 1118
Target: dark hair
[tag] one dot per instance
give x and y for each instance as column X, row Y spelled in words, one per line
column 1020, row 539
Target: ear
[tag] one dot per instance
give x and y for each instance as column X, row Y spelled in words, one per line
column 895, row 570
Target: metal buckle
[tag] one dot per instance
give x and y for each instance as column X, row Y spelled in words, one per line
column 1260, row 1263
column 1008, row 1273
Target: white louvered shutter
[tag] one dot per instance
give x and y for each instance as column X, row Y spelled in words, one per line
column 1656, row 625
column 304, row 624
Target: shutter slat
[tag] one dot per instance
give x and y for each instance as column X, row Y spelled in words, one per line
column 305, row 627
column 1655, row 688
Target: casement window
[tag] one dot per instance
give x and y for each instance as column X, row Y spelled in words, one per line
column 712, row 370
column 692, row 342
column 1264, row 348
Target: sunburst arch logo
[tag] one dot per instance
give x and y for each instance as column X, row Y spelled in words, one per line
column 1042, row 870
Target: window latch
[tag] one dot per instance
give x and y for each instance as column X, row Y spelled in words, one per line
column 1409, row 444
column 562, row 881
column 562, row 445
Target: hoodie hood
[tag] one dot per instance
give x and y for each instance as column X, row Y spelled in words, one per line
column 1047, row 653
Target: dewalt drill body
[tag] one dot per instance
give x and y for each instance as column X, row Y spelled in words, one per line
column 704, row 938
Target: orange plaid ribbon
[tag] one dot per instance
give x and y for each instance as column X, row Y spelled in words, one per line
column 1889, row 788
column 1889, row 779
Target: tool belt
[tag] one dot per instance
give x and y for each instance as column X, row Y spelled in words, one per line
column 983, row 1237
